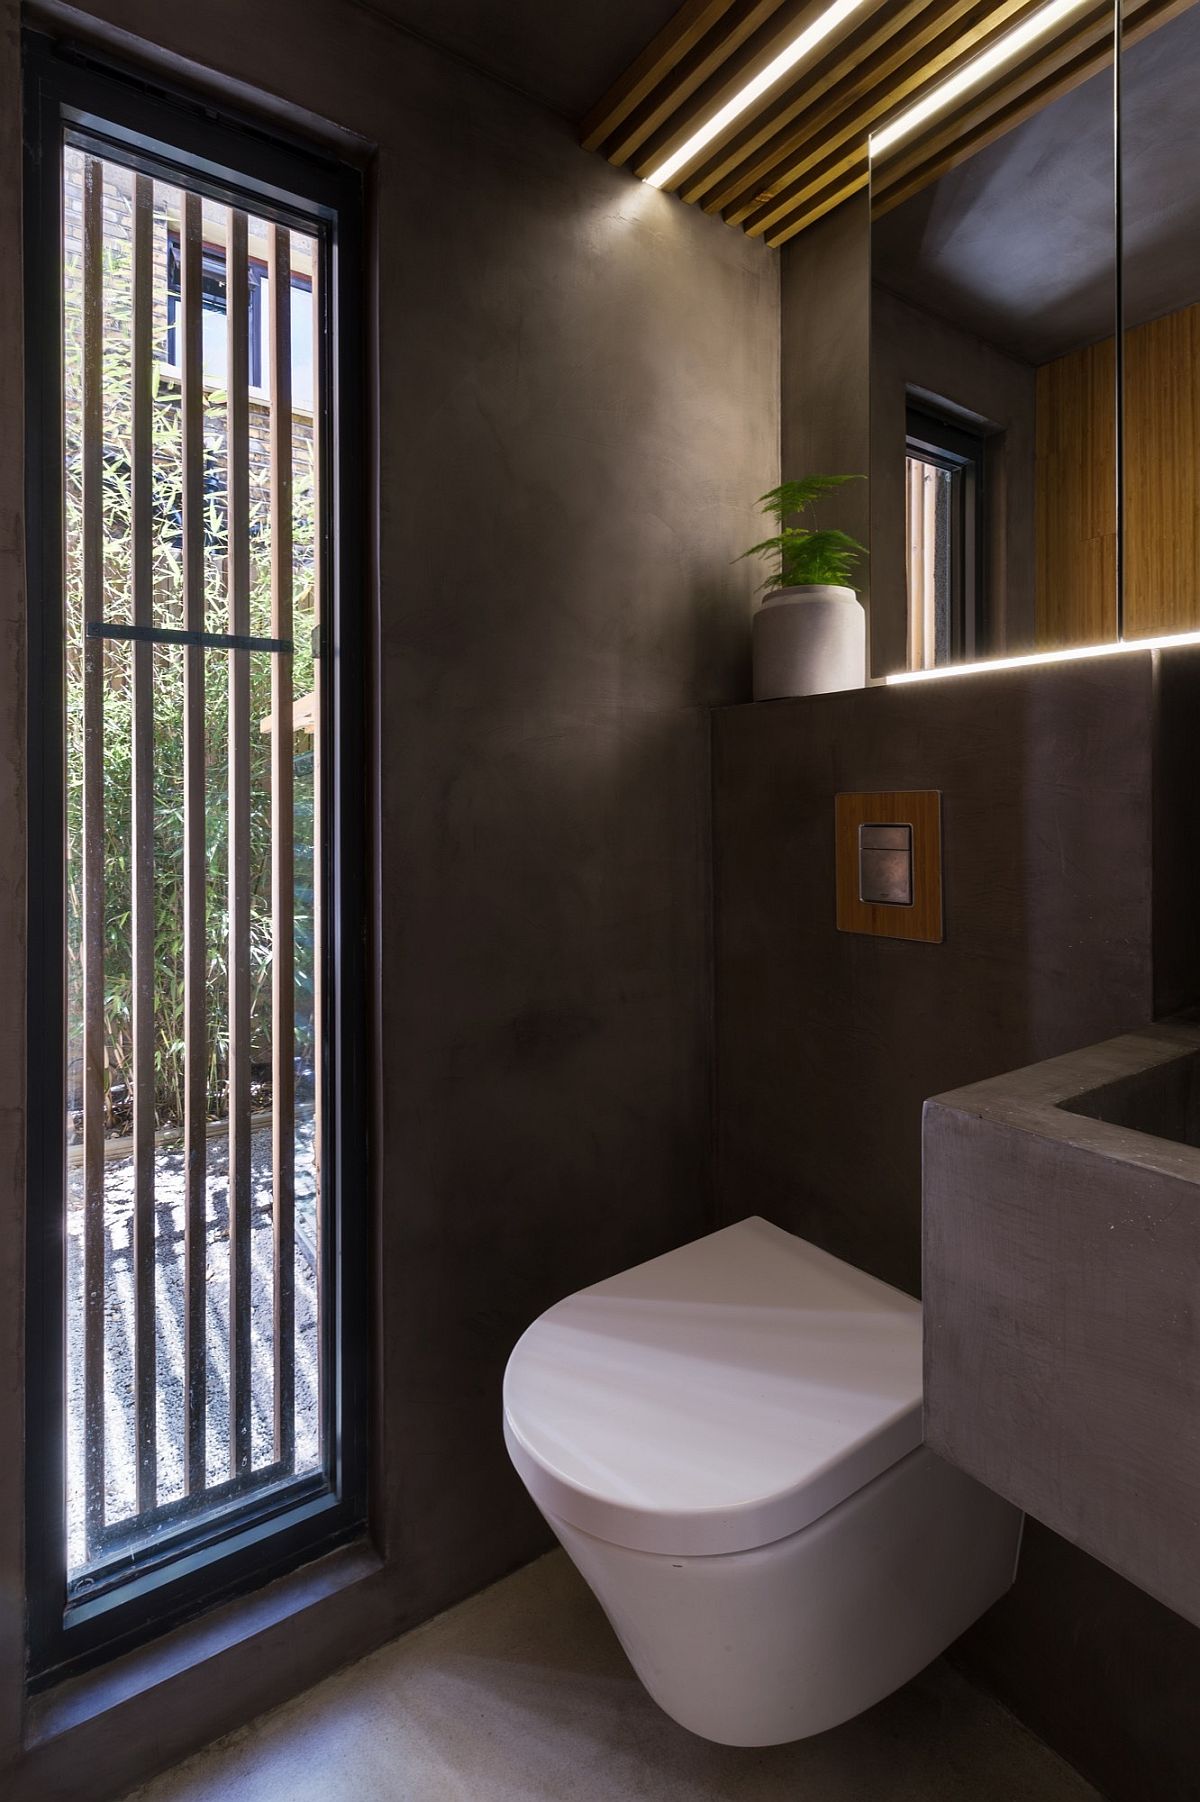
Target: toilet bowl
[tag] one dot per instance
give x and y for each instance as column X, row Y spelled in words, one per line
column 727, row 1442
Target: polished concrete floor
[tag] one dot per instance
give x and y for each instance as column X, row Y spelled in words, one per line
column 523, row 1695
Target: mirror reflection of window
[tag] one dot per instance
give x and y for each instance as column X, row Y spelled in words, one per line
column 927, row 501
column 993, row 268
column 945, row 541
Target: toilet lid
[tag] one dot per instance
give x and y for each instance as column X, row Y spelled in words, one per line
column 717, row 1398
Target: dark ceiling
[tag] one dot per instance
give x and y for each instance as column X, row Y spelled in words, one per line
column 1016, row 245
column 566, row 53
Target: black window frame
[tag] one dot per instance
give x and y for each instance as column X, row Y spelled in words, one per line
column 119, row 111
column 953, row 446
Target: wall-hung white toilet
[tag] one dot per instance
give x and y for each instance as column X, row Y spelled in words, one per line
column 727, row 1441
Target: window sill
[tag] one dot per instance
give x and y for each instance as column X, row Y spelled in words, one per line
column 79, row 1701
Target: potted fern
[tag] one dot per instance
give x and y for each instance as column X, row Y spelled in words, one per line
column 810, row 634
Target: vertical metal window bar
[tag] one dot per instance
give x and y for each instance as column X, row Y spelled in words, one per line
column 93, row 847
column 318, row 740
column 283, row 975
column 240, row 1174
column 195, row 863
column 144, row 1111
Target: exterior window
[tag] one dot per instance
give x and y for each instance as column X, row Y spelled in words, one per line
column 215, row 332
column 944, row 495
column 194, row 1167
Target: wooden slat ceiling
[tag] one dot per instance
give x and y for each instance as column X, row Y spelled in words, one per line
column 801, row 148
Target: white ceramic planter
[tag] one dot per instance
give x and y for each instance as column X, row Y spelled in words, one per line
column 809, row 641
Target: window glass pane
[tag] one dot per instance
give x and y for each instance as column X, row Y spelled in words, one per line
column 302, row 340
column 302, row 345
column 929, row 494
column 215, row 342
column 196, row 1344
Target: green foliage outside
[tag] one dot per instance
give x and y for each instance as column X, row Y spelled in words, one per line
column 802, row 555
column 168, row 670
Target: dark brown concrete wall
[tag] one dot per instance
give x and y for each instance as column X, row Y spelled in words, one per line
column 1176, row 833
column 1097, row 1668
column 827, row 1045
column 576, row 404
column 825, row 353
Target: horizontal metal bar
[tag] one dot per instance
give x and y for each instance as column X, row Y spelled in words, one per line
column 212, row 641
column 116, row 1538
column 199, row 1546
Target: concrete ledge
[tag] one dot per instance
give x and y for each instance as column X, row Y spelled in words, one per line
column 99, row 1734
column 1061, row 1277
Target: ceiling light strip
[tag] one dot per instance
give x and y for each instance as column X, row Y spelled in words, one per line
column 973, row 74
column 1075, row 653
column 795, row 52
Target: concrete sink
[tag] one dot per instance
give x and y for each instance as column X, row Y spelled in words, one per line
column 1062, row 1297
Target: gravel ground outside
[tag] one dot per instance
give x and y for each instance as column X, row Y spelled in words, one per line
column 119, row 1328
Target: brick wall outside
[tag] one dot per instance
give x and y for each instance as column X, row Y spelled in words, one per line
column 118, row 197
column 118, row 230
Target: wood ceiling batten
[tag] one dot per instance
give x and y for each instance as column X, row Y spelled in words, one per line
column 788, row 185
column 765, row 133
column 786, row 23
column 1067, row 61
column 739, row 22
column 677, row 37
column 1064, row 64
column 961, row 133
column 863, row 99
column 800, row 149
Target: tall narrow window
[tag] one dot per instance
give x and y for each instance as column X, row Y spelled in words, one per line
column 944, row 524
column 192, row 1214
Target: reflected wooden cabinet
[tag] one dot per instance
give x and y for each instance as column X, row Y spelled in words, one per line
column 1162, row 474
column 1077, row 487
column 1075, row 484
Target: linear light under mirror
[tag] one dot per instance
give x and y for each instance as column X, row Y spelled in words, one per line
column 994, row 412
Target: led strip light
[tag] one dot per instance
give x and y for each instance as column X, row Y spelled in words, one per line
column 775, row 70
column 974, row 73
column 1162, row 642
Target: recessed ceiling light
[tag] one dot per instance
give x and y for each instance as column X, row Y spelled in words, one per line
column 745, row 97
column 973, row 74
column 1165, row 641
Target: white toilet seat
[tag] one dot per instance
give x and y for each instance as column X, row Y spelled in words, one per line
column 717, row 1398
column 726, row 1441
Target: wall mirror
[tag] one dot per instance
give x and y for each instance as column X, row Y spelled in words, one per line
column 994, row 339
column 1160, row 211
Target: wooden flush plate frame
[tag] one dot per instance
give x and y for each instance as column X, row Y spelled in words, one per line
column 922, row 810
